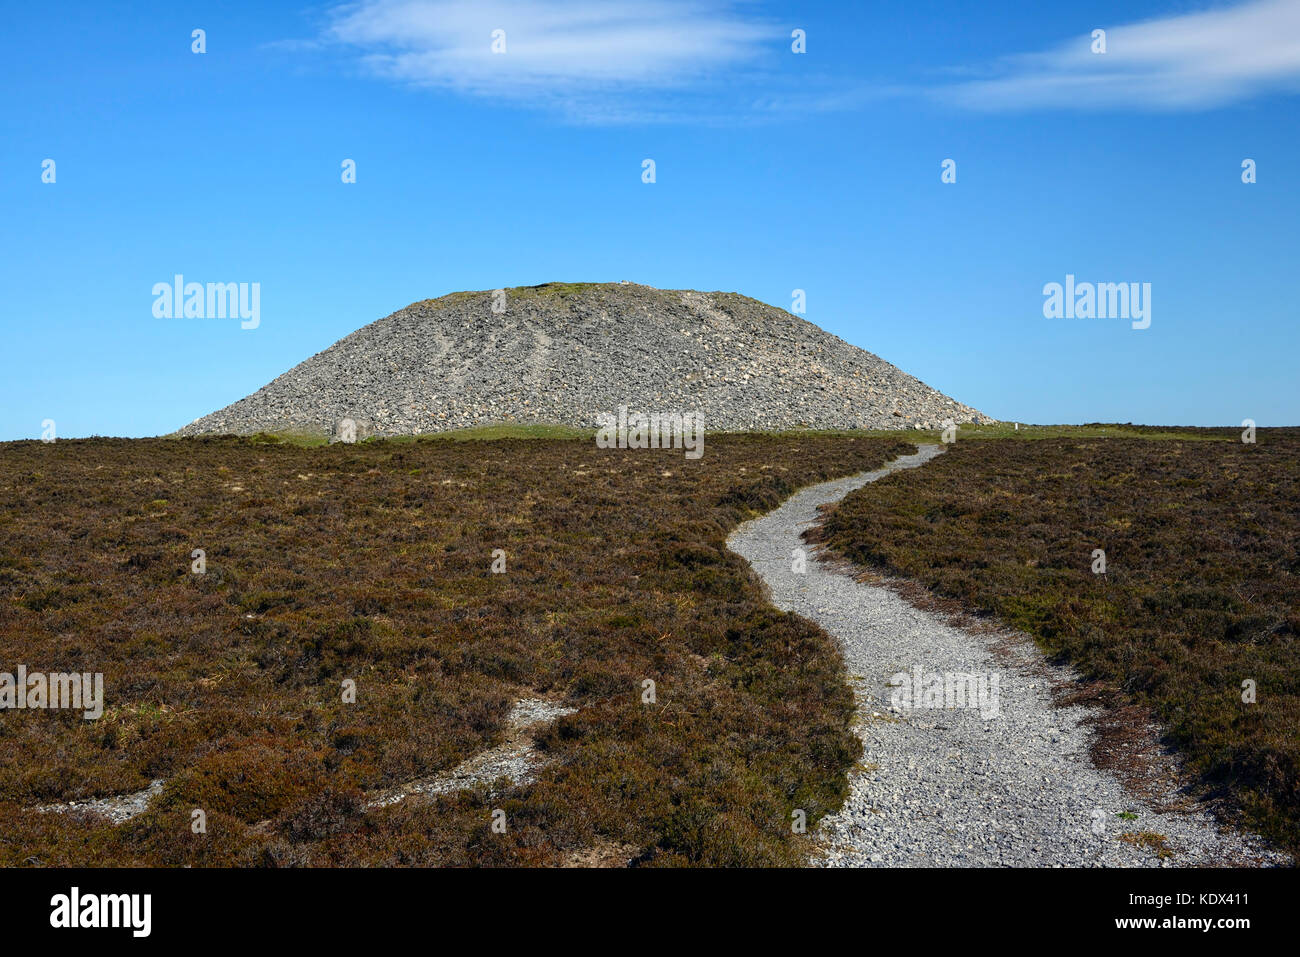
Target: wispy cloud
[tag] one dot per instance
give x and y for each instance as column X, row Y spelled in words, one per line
column 1187, row 62
column 586, row 56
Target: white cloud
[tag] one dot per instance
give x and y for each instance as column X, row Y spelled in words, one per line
column 580, row 54
column 1191, row 61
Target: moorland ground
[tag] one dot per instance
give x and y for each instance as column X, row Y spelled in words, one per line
column 1199, row 595
column 372, row 562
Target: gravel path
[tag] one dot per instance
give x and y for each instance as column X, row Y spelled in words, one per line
column 1008, row 782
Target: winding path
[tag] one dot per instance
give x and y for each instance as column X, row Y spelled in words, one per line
column 961, row 786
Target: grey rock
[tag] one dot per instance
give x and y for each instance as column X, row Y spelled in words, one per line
column 563, row 354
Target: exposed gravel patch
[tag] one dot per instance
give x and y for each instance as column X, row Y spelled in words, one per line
column 514, row 759
column 563, row 354
column 116, row 808
column 951, row 786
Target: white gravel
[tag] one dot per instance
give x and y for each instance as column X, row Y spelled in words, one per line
column 515, row 759
column 117, row 808
column 948, row 786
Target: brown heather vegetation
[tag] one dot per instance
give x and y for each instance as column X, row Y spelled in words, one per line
column 1200, row 592
column 371, row 562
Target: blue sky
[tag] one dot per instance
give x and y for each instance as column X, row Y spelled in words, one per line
column 775, row 171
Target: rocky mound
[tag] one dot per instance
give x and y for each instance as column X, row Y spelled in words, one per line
column 564, row 353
